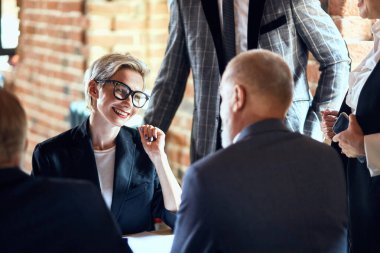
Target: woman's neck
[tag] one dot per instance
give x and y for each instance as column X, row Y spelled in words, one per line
column 103, row 134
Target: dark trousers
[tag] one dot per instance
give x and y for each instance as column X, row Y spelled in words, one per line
column 364, row 208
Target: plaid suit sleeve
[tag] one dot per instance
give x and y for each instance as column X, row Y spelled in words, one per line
column 170, row 84
column 324, row 41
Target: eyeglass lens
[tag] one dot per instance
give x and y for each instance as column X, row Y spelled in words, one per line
column 122, row 91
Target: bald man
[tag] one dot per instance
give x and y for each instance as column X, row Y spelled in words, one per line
column 269, row 190
column 42, row 215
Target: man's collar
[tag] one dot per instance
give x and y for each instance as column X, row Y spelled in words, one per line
column 268, row 125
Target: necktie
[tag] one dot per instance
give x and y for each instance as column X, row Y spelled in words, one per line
column 229, row 30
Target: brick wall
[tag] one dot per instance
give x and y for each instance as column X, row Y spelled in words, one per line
column 59, row 39
column 52, row 53
column 355, row 30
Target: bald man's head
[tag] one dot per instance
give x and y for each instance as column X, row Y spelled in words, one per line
column 256, row 85
column 264, row 73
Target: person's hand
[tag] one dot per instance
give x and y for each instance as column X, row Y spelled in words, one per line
column 13, row 60
column 328, row 120
column 153, row 140
column 351, row 141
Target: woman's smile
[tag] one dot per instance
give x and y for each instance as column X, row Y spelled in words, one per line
column 121, row 113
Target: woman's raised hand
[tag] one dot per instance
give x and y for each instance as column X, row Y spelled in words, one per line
column 153, row 140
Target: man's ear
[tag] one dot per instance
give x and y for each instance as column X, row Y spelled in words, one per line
column 93, row 90
column 239, row 94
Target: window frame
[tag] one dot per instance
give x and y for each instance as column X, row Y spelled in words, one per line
column 5, row 51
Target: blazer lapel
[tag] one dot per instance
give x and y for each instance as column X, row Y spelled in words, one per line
column 255, row 14
column 211, row 10
column 124, row 164
column 82, row 155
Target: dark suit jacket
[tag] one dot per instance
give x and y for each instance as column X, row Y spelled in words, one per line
column 137, row 198
column 40, row 215
column 271, row 191
column 364, row 190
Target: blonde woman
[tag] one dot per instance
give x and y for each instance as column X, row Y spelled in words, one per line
column 128, row 166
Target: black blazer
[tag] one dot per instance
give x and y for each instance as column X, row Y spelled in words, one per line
column 367, row 113
column 41, row 215
column 364, row 190
column 368, row 108
column 137, row 197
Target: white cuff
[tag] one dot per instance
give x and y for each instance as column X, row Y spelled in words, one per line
column 372, row 151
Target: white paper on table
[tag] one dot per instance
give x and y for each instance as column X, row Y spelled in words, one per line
column 147, row 242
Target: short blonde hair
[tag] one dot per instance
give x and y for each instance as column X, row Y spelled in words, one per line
column 13, row 127
column 106, row 66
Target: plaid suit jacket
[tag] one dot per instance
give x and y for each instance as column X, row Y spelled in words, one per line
column 291, row 28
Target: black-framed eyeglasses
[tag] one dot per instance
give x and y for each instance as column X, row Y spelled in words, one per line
column 122, row 91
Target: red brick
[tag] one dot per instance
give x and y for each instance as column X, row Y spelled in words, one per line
column 62, row 60
column 343, row 8
column 354, row 28
column 55, row 18
column 41, row 44
column 55, row 32
column 358, row 51
column 159, row 24
column 313, row 72
column 49, row 96
column 159, row 8
column 179, row 137
column 33, row 4
column 157, row 53
column 120, row 22
column 107, row 39
column 185, row 157
column 189, row 91
column 64, row 6
column 97, row 23
column 108, row 8
column 172, row 153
